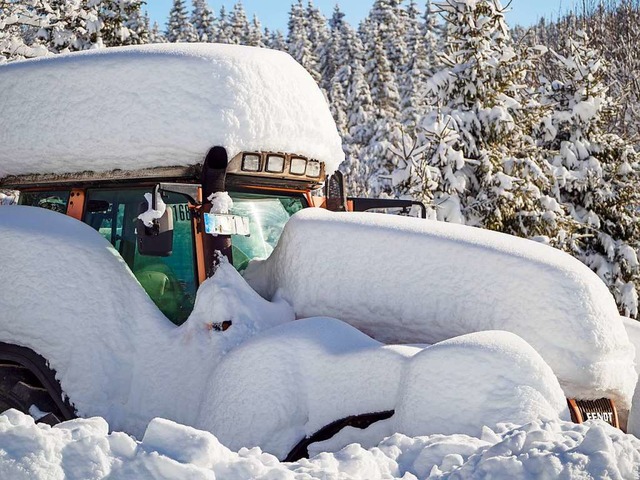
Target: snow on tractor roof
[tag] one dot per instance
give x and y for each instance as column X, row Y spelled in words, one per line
column 148, row 106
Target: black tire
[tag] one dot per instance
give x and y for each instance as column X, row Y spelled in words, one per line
column 21, row 389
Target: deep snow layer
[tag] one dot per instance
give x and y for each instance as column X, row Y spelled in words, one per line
column 265, row 381
column 84, row 450
column 158, row 105
column 408, row 280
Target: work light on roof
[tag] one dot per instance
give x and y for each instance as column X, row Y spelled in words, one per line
column 298, row 166
column 275, row 163
column 313, row 169
column 251, row 162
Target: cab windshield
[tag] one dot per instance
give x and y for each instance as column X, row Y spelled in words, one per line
column 267, row 216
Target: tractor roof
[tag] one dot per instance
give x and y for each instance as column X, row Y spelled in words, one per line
column 133, row 108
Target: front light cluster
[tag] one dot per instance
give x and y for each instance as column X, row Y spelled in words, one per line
column 283, row 164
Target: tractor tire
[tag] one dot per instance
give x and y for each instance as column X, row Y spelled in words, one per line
column 20, row 389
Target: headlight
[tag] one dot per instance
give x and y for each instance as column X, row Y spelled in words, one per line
column 251, row 162
column 275, row 164
column 298, row 166
column 313, row 169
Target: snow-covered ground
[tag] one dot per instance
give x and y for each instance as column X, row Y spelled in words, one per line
column 159, row 105
column 85, row 450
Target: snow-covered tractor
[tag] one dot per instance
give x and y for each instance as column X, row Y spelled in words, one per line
column 193, row 127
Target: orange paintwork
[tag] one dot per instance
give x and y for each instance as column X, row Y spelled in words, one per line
column 75, row 208
column 198, row 235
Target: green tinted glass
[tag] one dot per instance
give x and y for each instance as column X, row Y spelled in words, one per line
column 169, row 281
column 267, row 215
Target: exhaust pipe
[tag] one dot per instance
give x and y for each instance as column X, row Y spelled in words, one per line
column 214, row 173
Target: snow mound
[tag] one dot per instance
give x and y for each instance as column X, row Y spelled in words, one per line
column 408, row 280
column 463, row 384
column 73, row 300
column 291, row 381
column 158, row 105
column 83, row 449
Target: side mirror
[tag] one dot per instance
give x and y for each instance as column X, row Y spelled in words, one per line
column 156, row 240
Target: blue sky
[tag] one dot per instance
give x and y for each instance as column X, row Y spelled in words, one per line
column 274, row 13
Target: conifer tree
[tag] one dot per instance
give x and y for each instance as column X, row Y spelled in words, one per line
column 179, row 28
column 298, row 43
column 238, row 25
column 597, row 172
column 223, row 27
column 256, row 37
column 123, row 23
column 480, row 96
column 203, row 21
column 276, row 41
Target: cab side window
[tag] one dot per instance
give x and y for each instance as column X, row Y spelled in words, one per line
column 169, row 281
column 52, row 200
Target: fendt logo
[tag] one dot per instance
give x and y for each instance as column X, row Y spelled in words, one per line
column 606, row 416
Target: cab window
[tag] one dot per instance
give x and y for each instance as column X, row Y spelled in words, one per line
column 169, row 281
column 267, row 216
column 51, row 200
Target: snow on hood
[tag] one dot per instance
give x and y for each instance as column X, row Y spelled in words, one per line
column 294, row 379
column 84, row 449
column 409, row 280
column 158, row 105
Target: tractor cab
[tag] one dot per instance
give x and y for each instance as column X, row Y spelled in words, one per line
column 266, row 188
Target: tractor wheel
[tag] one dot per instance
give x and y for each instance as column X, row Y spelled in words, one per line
column 20, row 389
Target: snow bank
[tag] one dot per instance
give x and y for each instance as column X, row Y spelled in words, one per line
column 158, row 105
column 408, row 280
column 84, row 450
column 73, row 300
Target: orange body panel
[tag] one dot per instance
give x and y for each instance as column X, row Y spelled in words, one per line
column 75, row 208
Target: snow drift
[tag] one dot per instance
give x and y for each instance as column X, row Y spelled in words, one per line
column 408, row 280
column 265, row 381
column 158, row 105
column 85, row 450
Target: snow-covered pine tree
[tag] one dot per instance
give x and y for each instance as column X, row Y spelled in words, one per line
column 68, row 25
column 124, row 23
column 223, row 27
column 256, row 37
column 597, row 172
column 386, row 129
column 433, row 38
column 298, row 43
column 359, row 111
column 276, row 41
column 179, row 28
column 16, row 21
column 482, row 98
column 238, row 25
column 388, row 19
column 318, row 31
column 412, row 87
column 203, row 21
column 156, row 35
column 331, row 59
